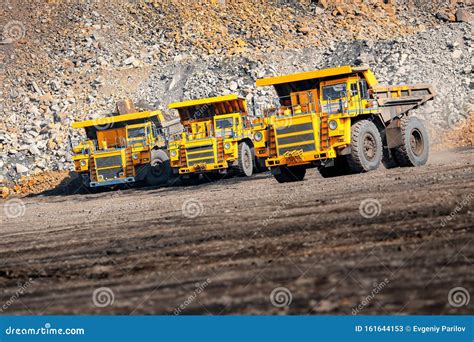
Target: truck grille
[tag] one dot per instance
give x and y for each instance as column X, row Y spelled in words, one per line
column 286, row 136
column 200, row 155
column 101, row 162
column 111, row 173
column 109, row 167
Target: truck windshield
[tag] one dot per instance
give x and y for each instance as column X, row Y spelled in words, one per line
column 335, row 91
column 224, row 123
column 136, row 132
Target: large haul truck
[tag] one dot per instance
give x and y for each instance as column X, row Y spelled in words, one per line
column 126, row 148
column 219, row 137
column 341, row 121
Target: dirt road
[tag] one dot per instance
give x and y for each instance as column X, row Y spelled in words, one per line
column 386, row 242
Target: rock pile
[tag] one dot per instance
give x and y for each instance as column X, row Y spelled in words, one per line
column 65, row 61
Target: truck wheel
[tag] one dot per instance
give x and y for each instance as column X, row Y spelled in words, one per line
column 340, row 168
column 366, row 147
column 415, row 148
column 245, row 160
column 260, row 165
column 290, row 174
column 159, row 171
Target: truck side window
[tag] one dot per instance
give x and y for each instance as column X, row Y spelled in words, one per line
column 354, row 91
column 224, row 123
column 333, row 92
column 363, row 89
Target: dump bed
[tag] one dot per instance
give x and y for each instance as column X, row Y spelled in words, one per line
column 117, row 121
column 207, row 108
column 399, row 99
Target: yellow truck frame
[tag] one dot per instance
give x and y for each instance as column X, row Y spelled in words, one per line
column 219, row 137
column 342, row 121
column 123, row 149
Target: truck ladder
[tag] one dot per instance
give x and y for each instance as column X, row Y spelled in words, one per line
column 220, row 149
column 272, row 142
column 182, row 156
column 93, row 173
column 323, row 131
column 130, row 170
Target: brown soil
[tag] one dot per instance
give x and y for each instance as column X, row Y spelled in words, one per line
column 249, row 237
column 462, row 134
column 39, row 183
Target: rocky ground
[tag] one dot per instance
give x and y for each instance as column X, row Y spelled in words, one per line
column 386, row 242
column 65, row 61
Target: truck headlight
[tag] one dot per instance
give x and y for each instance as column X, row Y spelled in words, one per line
column 227, row 146
column 135, row 156
column 333, row 124
column 83, row 162
column 258, row 136
column 174, row 153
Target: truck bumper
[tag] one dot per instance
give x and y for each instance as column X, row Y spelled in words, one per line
column 301, row 159
column 112, row 182
column 204, row 168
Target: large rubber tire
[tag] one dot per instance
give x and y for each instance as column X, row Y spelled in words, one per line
column 259, row 165
column 340, row 168
column 416, row 147
column 159, row 172
column 366, row 147
column 245, row 160
column 290, row 174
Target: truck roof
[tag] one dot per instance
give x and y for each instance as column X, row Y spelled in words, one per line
column 119, row 118
column 209, row 107
column 318, row 74
column 204, row 101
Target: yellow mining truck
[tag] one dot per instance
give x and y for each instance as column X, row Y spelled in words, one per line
column 219, row 137
column 342, row 121
column 123, row 149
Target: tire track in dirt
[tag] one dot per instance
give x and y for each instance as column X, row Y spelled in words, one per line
column 253, row 236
